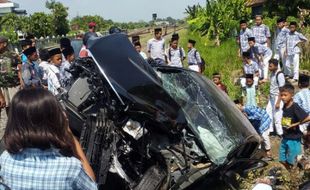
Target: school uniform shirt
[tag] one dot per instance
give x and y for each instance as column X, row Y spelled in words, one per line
column 281, row 38
column 156, row 48
column 243, row 38
column 259, row 49
column 250, row 95
column 31, row 75
column 291, row 115
column 250, row 68
column 44, row 65
column 175, row 56
column 276, row 83
column 53, row 79
column 193, row 57
column 261, row 33
column 36, row 169
column 65, row 76
column 302, row 98
column 292, row 40
column 258, row 117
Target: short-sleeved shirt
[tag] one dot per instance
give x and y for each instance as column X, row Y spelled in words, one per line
column 156, row 48
column 53, row 79
column 276, row 83
column 259, row 49
column 65, row 76
column 8, row 69
column 250, row 95
column 175, row 56
column 251, row 68
column 291, row 115
column 261, row 33
column 292, row 40
column 302, row 98
column 44, row 65
column 32, row 75
column 243, row 38
column 143, row 55
column 37, row 169
column 281, row 37
column 193, row 57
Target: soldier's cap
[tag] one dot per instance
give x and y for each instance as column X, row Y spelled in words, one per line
column 251, row 39
column 68, row 51
column 216, row 75
column 249, row 76
column 54, row 51
column 158, row 30
column 24, row 43
column 3, row 39
column 30, row 51
column 192, row 41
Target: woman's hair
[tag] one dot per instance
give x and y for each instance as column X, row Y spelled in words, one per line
column 37, row 120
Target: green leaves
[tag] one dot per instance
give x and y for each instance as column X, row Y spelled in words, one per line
column 219, row 19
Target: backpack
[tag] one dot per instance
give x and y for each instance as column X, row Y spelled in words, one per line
column 181, row 54
column 202, row 64
column 277, row 75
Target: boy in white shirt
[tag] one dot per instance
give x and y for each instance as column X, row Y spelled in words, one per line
column 175, row 54
column 138, row 47
column 65, row 76
column 53, row 76
column 156, row 47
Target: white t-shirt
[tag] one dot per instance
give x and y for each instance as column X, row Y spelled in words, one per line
column 175, row 56
column 53, row 78
column 44, row 65
column 156, row 48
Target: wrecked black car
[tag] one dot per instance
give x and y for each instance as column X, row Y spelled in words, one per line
column 151, row 128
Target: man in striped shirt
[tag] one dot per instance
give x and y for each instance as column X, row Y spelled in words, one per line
column 243, row 36
column 261, row 32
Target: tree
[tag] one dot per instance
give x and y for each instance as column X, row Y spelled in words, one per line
column 59, row 17
column 219, row 19
column 10, row 24
column 41, row 25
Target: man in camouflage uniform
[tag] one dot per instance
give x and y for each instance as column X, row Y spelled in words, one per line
column 9, row 82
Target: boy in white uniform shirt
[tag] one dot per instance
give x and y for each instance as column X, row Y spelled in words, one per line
column 193, row 57
column 156, row 47
column 175, row 54
column 293, row 39
column 53, row 76
column 65, row 76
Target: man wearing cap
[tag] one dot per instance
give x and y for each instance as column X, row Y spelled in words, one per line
column 31, row 72
column 9, row 81
column 53, row 76
column 281, row 36
column 193, row 56
column 65, row 76
column 156, row 47
column 243, row 36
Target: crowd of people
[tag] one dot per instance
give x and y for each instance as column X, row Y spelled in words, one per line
column 44, row 134
column 286, row 114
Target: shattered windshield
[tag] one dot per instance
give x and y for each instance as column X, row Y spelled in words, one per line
column 206, row 113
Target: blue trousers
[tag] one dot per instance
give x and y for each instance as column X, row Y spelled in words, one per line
column 289, row 150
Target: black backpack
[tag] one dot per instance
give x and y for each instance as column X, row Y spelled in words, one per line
column 202, row 64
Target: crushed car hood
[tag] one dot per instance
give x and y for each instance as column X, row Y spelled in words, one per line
column 134, row 82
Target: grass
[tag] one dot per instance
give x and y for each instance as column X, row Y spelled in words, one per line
column 222, row 59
